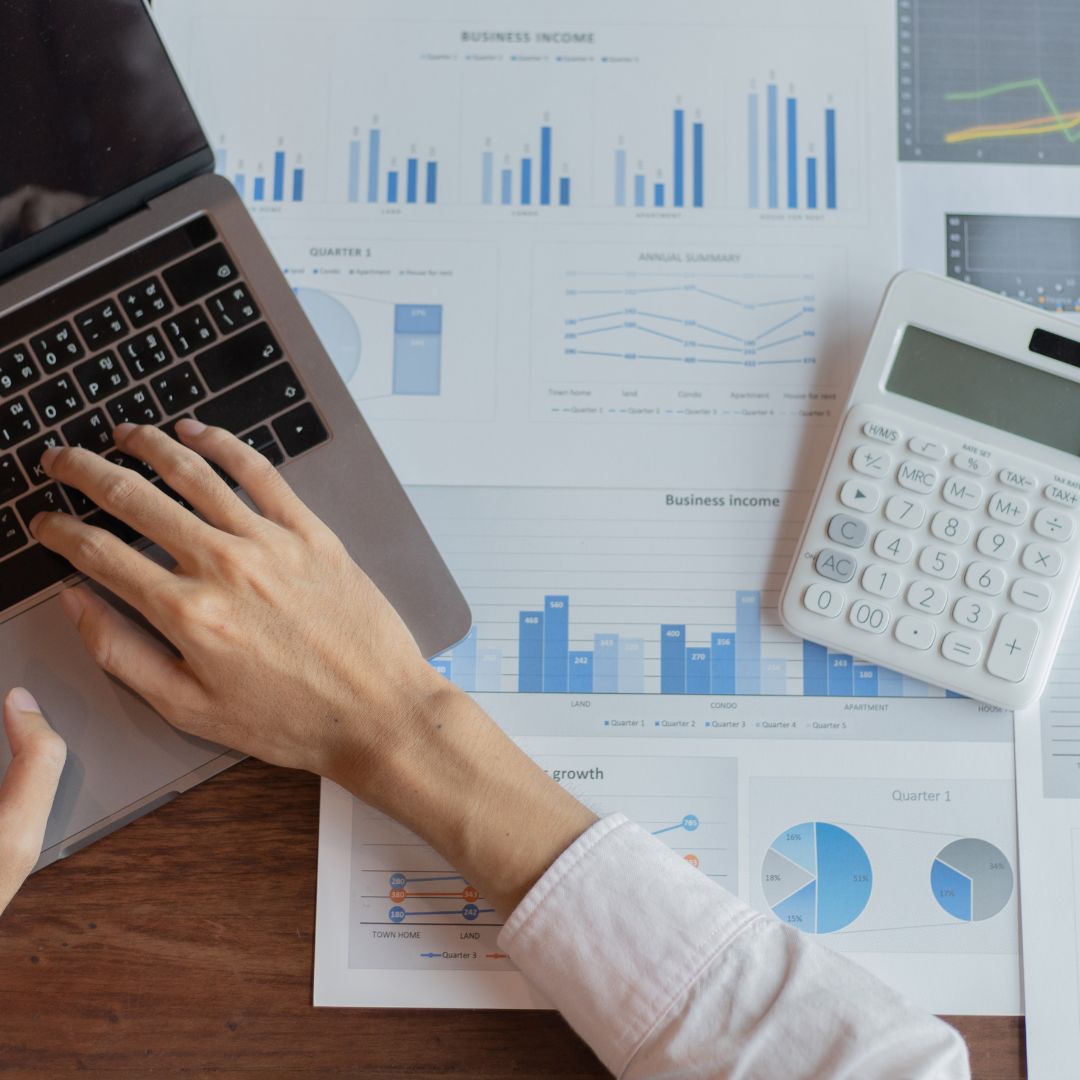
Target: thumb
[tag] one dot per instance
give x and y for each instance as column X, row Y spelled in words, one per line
column 28, row 788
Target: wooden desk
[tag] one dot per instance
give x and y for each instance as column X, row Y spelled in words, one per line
column 182, row 946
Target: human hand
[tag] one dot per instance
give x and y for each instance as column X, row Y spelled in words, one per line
column 27, row 790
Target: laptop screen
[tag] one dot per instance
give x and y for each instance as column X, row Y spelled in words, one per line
column 90, row 107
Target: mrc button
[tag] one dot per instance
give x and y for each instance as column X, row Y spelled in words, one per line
column 835, row 565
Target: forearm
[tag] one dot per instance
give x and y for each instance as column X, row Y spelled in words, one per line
column 463, row 786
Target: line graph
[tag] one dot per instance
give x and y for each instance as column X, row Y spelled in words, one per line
column 1064, row 123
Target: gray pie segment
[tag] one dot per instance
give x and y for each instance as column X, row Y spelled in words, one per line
column 990, row 873
column 780, row 877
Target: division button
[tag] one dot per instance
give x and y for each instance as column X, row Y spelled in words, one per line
column 1053, row 524
column 847, row 530
column 859, row 496
column 835, row 565
column 961, row 649
column 914, row 632
column 1013, row 645
column 824, row 600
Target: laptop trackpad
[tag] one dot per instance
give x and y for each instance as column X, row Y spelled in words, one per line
column 119, row 750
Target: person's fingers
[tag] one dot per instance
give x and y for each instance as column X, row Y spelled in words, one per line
column 108, row 560
column 189, row 476
column 27, row 790
column 119, row 647
column 130, row 498
column 268, row 490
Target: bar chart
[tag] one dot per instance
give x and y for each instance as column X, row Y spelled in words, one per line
column 283, row 181
column 533, row 177
column 678, row 182
column 376, row 174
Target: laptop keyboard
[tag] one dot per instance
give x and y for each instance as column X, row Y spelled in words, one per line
column 165, row 331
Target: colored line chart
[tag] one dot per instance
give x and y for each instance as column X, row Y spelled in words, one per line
column 1057, row 121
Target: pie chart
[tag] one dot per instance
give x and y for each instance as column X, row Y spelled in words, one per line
column 816, row 877
column 971, row 879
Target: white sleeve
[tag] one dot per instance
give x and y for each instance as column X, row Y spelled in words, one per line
column 666, row 974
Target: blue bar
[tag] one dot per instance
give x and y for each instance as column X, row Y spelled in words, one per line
column 545, row 166
column 464, row 657
column 639, row 190
column 391, row 186
column 530, row 652
column 581, row 673
column 354, row 170
column 774, row 678
column 672, row 659
column 752, row 148
column 723, row 663
column 489, row 671
column 915, row 687
column 221, row 159
column 240, row 183
column 830, row 159
column 815, row 669
column 631, row 666
column 792, row 156
column 260, row 189
column 606, row 664
column 772, row 136
column 431, row 181
column 373, row 166
column 297, row 185
column 412, row 173
column 865, row 681
column 526, row 181
column 279, row 175
column 748, row 642
column 680, row 157
column 698, row 670
column 840, row 675
column 556, row 644
column 811, row 183
column 620, row 177
column 699, row 164
column 890, row 683
column 417, row 368
column 507, row 184
column 564, row 190
column 658, row 194
column 444, row 667
column 487, row 178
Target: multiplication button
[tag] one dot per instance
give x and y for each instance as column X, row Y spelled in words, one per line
column 1041, row 559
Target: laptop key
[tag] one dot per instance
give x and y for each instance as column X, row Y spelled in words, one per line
column 262, row 439
column 233, row 308
column 57, row 399
column 145, row 353
column 12, row 534
column 200, row 274
column 17, row 370
column 145, row 302
column 238, row 357
column 189, row 330
column 300, row 429
column 101, row 376
column 134, row 407
column 46, row 499
column 126, row 461
column 91, row 431
column 118, row 528
column 17, row 422
column 12, row 481
column 178, row 388
column 247, row 405
column 80, row 503
column 28, row 572
column 101, row 325
column 57, row 347
column 30, row 456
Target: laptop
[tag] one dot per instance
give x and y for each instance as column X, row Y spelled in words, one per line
column 134, row 286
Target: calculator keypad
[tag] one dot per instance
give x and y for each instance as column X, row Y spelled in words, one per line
column 942, row 551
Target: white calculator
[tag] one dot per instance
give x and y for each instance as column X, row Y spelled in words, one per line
column 944, row 539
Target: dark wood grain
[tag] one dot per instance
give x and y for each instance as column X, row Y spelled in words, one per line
column 182, row 946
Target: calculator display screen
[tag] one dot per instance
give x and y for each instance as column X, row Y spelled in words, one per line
column 988, row 388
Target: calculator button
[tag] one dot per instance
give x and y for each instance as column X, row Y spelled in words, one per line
column 939, row 562
column 1065, row 496
column 894, row 546
column 881, row 581
column 962, row 492
column 925, row 448
column 872, row 618
column 973, row 612
column 972, row 463
column 985, row 578
column 1053, row 524
column 847, row 530
column 859, row 496
column 1040, row 559
column 950, row 527
column 882, row 432
column 1031, row 594
column 915, row 476
column 835, row 565
column 1017, row 479
column 901, row 510
column 1013, row 645
column 925, row 596
column 914, row 632
column 961, row 649
column 823, row 600
column 871, row 461
column 996, row 543
column 1008, row 508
